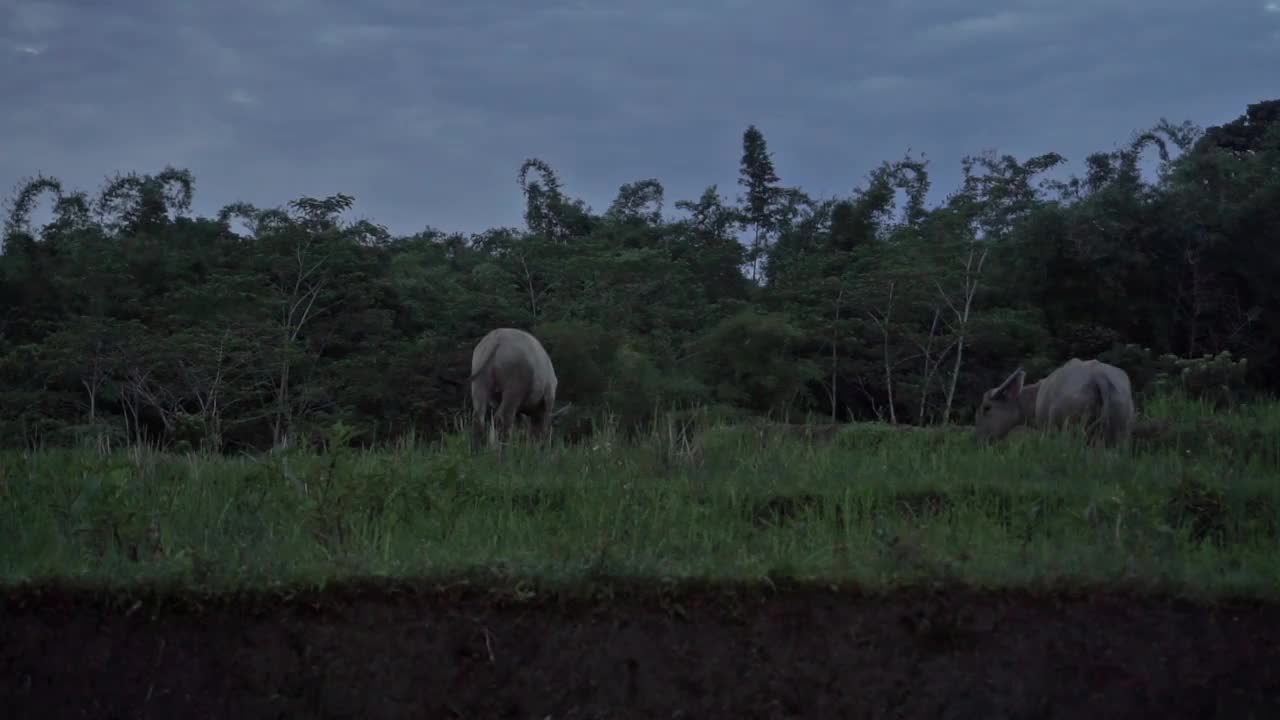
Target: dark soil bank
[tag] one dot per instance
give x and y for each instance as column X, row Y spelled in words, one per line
column 625, row 653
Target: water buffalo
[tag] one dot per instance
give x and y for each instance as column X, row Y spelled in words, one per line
column 512, row 371
column 1087, row 391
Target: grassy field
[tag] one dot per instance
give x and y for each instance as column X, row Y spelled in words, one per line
column 1193, row 508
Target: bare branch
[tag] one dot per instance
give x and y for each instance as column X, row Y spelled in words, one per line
column 883, row 324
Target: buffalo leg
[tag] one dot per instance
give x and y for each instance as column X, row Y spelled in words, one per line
column 505, row 418
column 542, row 424
column 479, row 409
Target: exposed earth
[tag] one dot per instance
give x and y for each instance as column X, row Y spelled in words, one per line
column 625, row 652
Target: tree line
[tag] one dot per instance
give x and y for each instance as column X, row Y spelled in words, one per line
column 127, row 319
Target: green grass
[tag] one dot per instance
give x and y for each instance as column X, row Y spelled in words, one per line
column 873, row 504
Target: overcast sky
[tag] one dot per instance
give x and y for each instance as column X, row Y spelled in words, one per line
column 424, row 109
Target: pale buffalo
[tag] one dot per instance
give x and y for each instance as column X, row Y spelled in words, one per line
column 512, row 371
column 1085, row 391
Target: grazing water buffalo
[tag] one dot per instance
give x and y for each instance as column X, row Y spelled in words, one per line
column 511, row 370
column 1087, row 391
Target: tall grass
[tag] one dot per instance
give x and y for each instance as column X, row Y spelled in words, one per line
column 874, row 504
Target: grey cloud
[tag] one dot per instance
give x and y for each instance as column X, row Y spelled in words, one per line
column 424, row 111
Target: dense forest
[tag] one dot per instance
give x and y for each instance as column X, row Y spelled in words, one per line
column 127, row 320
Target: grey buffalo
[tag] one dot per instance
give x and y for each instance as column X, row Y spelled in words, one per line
column 512, row 371
column 1086, row 391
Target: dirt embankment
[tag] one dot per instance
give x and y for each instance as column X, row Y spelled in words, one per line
column 627, row 653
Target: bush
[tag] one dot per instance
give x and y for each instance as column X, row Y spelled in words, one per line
column 1216, row 379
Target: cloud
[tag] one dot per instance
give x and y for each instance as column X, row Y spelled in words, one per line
column 984, row 28
column 36, row 18
column 424, row 111
column 241, row 97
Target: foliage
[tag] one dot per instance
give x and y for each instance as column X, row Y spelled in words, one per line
column 1218, row 379
column 129, row 321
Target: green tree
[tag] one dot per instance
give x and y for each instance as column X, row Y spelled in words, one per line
column 761, row 195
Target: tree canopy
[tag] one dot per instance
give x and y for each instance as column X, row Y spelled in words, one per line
column 127, row 318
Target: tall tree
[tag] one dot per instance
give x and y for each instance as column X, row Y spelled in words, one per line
column 761, row 198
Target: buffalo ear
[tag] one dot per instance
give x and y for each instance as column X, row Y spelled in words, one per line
column 1011, row 388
